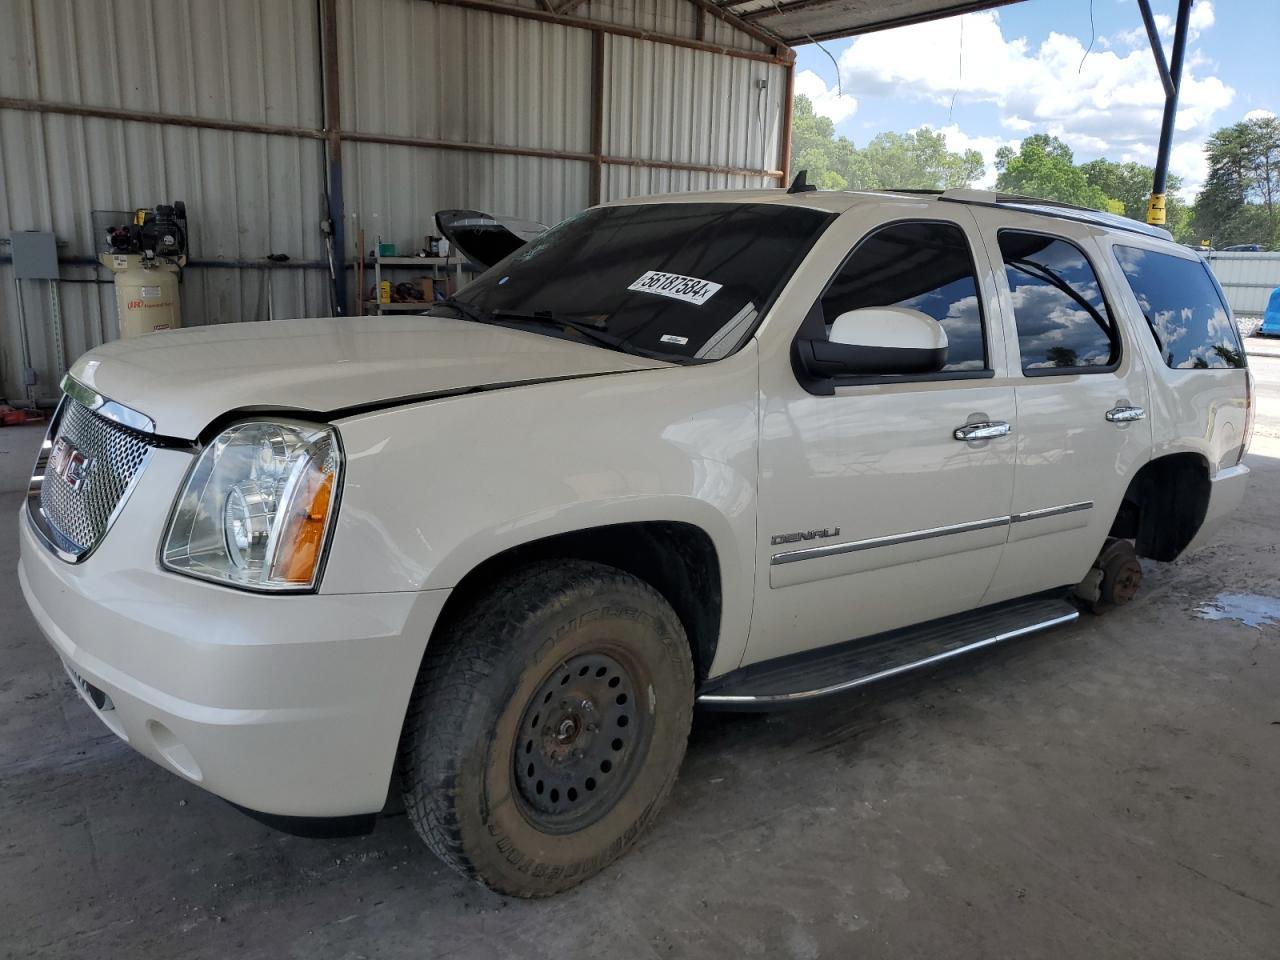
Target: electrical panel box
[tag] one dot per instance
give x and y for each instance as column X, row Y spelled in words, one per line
column 35, row 255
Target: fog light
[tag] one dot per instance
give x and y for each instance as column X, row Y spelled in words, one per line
column 173, row 750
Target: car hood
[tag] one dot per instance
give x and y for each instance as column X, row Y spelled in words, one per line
column 184, row 379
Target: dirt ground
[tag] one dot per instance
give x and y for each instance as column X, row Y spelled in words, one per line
column 1111, row 789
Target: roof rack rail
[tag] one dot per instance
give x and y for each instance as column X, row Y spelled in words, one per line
column 1052, row 208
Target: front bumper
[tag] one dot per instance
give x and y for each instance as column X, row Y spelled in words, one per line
column 287, row 705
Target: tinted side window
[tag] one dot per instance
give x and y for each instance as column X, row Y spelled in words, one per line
column 1058, row 307
column 1183, row 309
column 921, row 266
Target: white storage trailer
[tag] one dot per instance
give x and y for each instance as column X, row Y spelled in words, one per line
column 1247, row 279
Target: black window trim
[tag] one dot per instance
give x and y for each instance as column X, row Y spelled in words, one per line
column 1117, row 339
column 806, row 330
column 771, row 301
column 1213, row 282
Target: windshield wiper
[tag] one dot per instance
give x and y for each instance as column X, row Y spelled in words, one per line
column 547, row 318
column 469, row 311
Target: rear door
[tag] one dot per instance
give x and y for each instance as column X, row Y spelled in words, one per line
column 872, row 514
column 1081, row 392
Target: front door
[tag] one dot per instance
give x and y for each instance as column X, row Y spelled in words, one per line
column 1081, row 394
column 872, row 514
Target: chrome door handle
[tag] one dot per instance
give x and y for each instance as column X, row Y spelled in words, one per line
column 983, row 430
column 1125, row 414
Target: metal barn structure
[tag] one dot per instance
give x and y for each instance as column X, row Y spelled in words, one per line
column 271, row 119
column 268, row 118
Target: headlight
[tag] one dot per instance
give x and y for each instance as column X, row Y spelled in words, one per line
column 257, row 506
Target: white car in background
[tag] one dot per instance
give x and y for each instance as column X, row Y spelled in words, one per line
column 734, row 449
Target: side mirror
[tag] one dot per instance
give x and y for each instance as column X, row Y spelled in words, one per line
column 876, row 341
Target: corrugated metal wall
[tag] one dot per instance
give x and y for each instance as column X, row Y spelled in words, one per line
column 651, row 114
column 414, row 69
column 247, row 194
column 408, row 69
column 1247, row 279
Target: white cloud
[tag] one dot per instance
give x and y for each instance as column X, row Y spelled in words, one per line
column 827, row 102
column 1259, row 115
column 1202, row 18
column 1113, row 105
column 1187, row 160
column 958, row 141
column 1137, row 37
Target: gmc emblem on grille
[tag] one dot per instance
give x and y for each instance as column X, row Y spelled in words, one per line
column 69, row 463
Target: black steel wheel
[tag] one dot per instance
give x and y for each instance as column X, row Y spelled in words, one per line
column 583, row 741
column 547, row 726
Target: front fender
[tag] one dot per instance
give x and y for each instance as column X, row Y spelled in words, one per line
column 432, row 490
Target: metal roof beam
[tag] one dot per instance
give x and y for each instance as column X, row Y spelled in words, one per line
column 783, row 56
column 764, row 35
column 936, row 11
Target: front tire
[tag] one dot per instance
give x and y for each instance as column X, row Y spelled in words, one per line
column 547, row 726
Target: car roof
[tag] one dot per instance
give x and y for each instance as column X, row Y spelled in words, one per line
column 838, row 201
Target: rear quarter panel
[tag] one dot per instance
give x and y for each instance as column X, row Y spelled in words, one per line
column 1191, row 411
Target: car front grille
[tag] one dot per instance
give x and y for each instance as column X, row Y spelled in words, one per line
column 85, row 470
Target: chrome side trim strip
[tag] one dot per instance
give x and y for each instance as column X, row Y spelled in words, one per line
column 835, row 549
column 1052, row 511
column 892, row 671
column 103, row 407
column 852, row 546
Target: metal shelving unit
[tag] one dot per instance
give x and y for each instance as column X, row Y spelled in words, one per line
column 439, row 269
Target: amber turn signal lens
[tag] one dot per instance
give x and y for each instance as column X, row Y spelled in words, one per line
column 304, row 532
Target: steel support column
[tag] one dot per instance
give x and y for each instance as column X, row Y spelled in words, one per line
column 333, row 150
column 596, row 194
column 1171, row 77
column 784, row 145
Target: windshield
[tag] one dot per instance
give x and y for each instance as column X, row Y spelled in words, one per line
column 678, row 281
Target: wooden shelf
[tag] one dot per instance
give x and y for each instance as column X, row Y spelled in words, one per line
column 449, row 269
column 412, row 261
column 417, row 305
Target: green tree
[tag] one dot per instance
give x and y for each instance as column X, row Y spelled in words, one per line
column 917, row 160
column 1043, row 167
column 1238, row 203
column 1129, row 185
column 816, row 148
column 1264, row 156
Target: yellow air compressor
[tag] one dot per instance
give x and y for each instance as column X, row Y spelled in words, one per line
column 147, row 257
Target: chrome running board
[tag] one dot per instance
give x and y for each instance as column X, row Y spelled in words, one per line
column 819, row 673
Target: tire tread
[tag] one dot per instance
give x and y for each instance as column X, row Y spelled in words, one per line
column 457, row 662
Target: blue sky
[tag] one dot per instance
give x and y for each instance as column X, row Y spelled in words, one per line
column 1021, row 73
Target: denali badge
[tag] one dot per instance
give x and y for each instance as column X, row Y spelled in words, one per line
column 823, row 534
column 69, row 463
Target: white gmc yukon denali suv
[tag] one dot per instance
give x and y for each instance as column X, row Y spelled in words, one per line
column 733, row 449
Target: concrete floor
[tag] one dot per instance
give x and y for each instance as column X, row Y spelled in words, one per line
column 1111, row 789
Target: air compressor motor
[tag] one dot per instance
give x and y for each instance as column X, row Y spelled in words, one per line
column 147, row 256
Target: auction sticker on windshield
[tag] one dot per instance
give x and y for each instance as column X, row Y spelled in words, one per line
column 673, row 285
